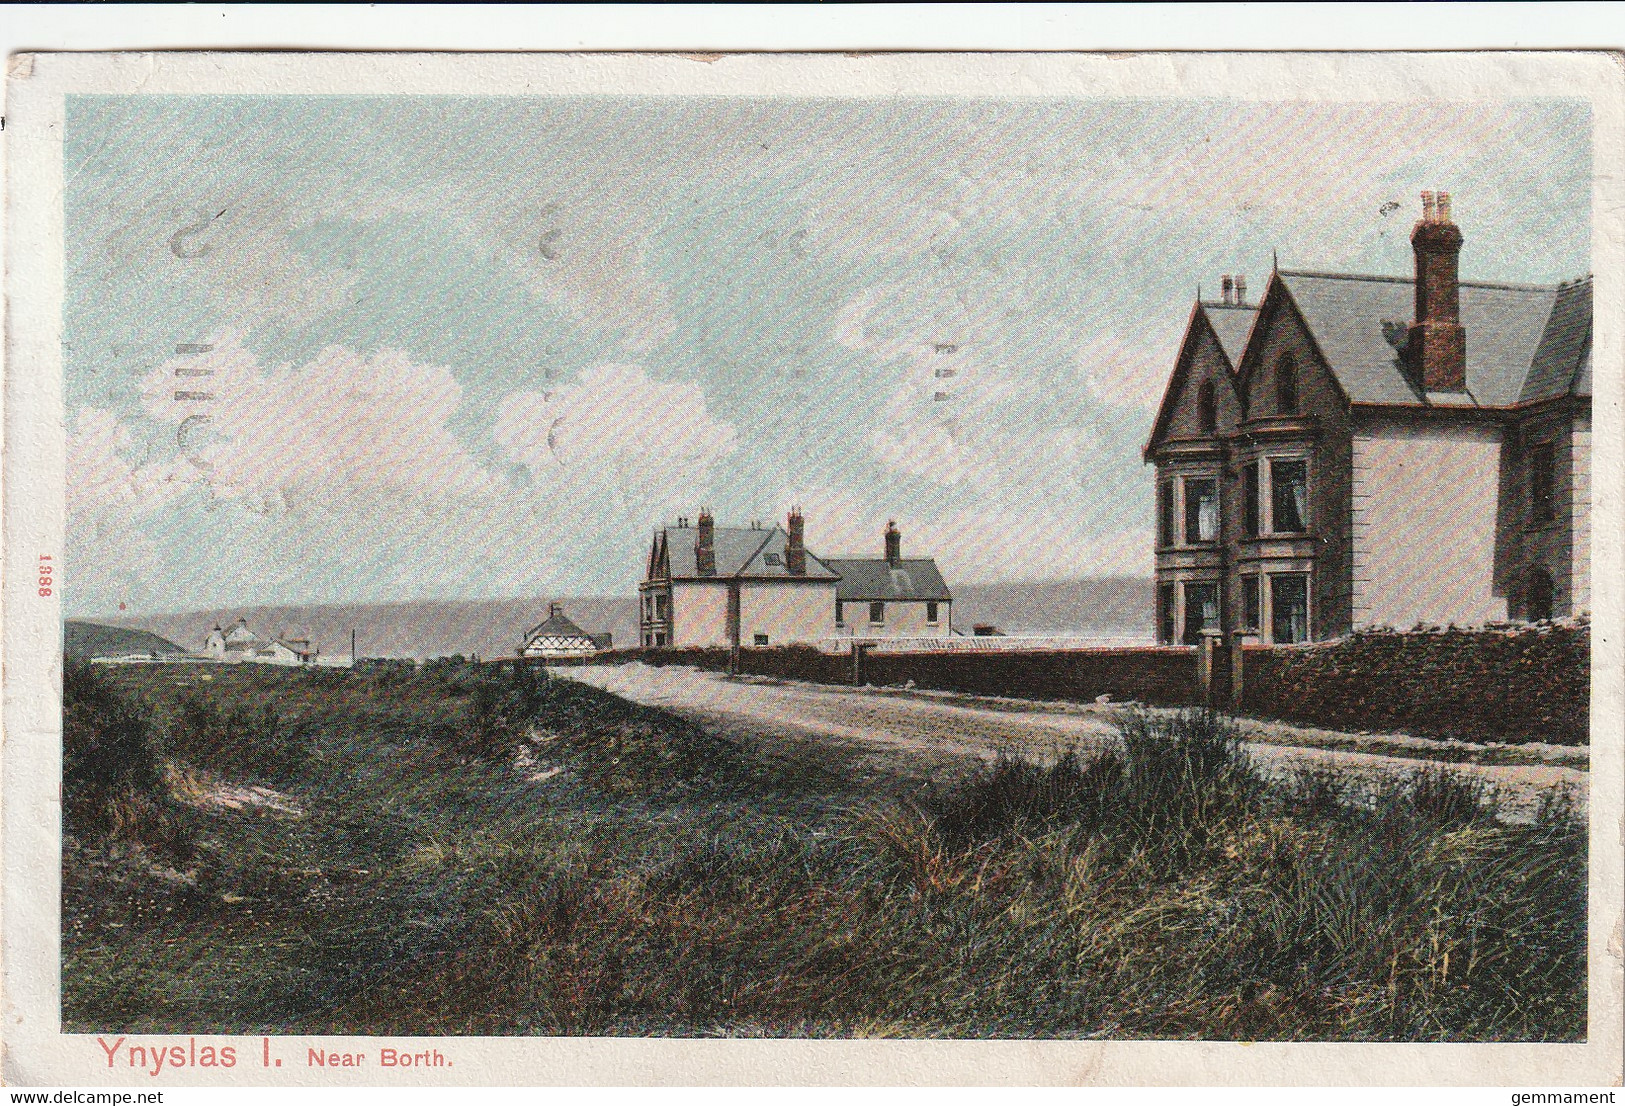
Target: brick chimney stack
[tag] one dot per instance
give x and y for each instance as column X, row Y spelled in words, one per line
column 705, row 552
column 1226, row 287
column 795, row 552
column 894, row 544
column 1437, row 345
column 1241, row 290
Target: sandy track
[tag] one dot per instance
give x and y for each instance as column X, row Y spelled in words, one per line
column 873, row 735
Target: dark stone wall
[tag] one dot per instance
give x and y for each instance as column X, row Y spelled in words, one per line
column 1528, row 683
column 1517, row 684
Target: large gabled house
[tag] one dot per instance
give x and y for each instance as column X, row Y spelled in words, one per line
column 710, row 585
column 1358, row 451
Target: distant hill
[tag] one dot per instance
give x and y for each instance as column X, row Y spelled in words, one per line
column 1100, row 607
column 92, row 639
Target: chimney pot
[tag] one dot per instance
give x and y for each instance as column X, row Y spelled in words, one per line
column 1226, row 286
column 894, row 544
column 795, row 550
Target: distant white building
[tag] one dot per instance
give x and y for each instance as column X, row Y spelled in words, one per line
column 240, row 644
column 560, row 637
column 710, row 585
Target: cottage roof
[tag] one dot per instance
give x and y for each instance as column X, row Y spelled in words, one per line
column 1523, row 342
column 913, row 578
column 557, row 625
column 740, row 552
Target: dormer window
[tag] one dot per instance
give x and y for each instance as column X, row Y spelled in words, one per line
column 1207, row 408
column 1286, row 385
column 772, row 559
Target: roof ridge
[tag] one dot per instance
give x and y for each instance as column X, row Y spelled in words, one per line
column 1506, row 286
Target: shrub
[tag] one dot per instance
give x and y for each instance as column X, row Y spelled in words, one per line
column 235, row 741
column 111, row 779
column 106, row 738
column 500, row 709
column 1020, row 797
column 1187, row 774
column 1440, row 796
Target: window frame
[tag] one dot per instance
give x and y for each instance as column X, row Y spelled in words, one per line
column 1287, row 381
column 1308, row 499
column 840, row 611
column 1186, row 510
column 933, row 614
column 1167, row 611
column 1252, row 513
column 877, row 612
column 1166, row 513
column 1252, row 602
column 1186, row 590
column 1308, row 605
column 1207, row 407
column 758, row 640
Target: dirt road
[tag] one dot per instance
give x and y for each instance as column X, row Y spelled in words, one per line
column 877, row 734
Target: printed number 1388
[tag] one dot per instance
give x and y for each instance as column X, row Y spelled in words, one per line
column 46, row 573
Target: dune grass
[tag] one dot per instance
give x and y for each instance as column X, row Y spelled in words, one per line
column 526, row 856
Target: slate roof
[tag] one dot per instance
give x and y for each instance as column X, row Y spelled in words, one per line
column 913, row 578
column 1563, row 361
column 740, row 552
column 1232, row 323
column 1523, row 342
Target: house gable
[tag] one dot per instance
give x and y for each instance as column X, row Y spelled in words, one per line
column 1282, row 343
column 1203, row 360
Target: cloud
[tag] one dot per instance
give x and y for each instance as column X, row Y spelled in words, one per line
column 344, row 426
column 609, row 456
column 966, row 409
column 100, row 475
column 234, row 253
column 583, row 250
column 614, row 422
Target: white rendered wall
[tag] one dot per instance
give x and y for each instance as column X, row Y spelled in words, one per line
column 787, row 613
column 903, row 619
column 699, row 614
column 1425, row 500
column 1581, row 586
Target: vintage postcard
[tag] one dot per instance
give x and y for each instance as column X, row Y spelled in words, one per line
column 1028, row 568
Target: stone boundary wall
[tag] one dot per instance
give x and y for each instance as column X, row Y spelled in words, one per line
column 1517, row 684
column 1513, row 684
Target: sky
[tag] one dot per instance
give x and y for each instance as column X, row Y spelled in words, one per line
column 324, row 349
